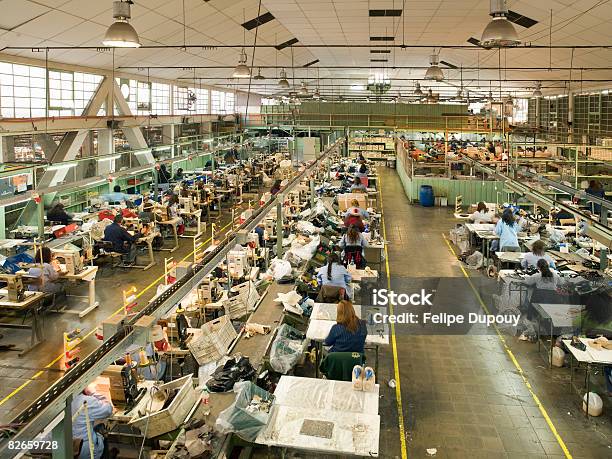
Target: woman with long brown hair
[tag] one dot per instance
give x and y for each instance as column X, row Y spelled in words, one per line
column 349, row 332
column 353, row 243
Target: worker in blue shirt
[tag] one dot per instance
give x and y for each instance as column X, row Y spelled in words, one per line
column 349, row 333
column 507, row 229
column 98, row 407
column 335, row 274
column 115, row 196
column 123, row 242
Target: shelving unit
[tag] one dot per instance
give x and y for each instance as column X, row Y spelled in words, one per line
column 376, row 147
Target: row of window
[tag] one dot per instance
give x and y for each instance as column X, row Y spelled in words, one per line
column 23, row 94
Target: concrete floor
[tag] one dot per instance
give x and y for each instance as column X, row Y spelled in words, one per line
column 459, row 394
column 462, row 394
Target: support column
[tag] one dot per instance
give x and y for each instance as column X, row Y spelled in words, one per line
column 312, row 193
column 62, row 434
column 168, row 137
column 40, row 217
column 105, row 142
column 279, row 226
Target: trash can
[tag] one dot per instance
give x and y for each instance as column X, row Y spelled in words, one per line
column 426, row 196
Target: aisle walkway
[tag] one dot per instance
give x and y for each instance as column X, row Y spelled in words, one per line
column 462, row 394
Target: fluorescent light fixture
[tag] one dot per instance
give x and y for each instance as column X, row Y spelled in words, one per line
column 57, row 167
column 108, row 158
column 164, row 148
column 121, row 34
column 357, row 87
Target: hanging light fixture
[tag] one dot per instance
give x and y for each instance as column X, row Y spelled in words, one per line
column 121, row 34
column 490, row 97
column 400, row 99
column 283, row 83
column 434, row 72
column 241, row 70
column 509, row 106
column 259, row 76
column 430, row 99
column 537, row 93
column 500, row 32
column 417, row 90
column 316, row 94
column 303, row 91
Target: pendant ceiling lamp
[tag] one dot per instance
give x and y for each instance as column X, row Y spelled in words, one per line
column 121, row 34
column 537, row 93
column 499, row 33
column 259, row 76
column 283, row 83
column 241, row 70
column 417, row 90
column 434, row 72
column 430, row 99
column 303, row 91
column 316, row 94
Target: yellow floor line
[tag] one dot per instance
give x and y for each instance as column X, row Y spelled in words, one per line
column 543, row 411
column 92, row 331
column 398, row 392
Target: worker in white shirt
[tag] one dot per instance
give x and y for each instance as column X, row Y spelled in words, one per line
column 537, row 253
column 482, row 214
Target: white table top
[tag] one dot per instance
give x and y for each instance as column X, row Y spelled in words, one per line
column 350, row 418
column 515, row 257
column 318, row 330
column 480, row 227
column 325, row 394
column 562, row 315
column 590, row 355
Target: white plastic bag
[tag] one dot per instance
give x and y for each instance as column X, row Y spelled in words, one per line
column 280, row 268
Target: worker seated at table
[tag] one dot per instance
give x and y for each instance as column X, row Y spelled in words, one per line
column 260, row 230
column 538, row 252
column 349, row 333
column 362, row 171
column 276, row 187
column 507, row 229
column 116, row 196
column 173, row 212
column 561, row 215
column 545, row 284
column 122, row 241
column 357, row 186
column 178, row 175
column 334, row 274
column 482, row 214
column 354, row 219
column 47, row 275
column 58, row 214
column 355, row 205
column 99, row 408
column 353, row 243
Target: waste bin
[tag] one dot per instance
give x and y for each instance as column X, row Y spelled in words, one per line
column 426, row 196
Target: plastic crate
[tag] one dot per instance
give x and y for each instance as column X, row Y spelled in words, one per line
column 212, row 345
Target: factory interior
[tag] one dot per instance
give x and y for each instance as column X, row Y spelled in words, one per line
column 305, row 229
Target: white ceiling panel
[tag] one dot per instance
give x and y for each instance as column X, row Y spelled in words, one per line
column 314, row 22
column 18, row 12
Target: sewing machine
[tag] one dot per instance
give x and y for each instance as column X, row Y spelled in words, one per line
column 14, row 286
column 186, row 204
column 70, row 255
column 237, row 262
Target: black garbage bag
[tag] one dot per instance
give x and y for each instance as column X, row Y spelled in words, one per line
column 228, row 374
